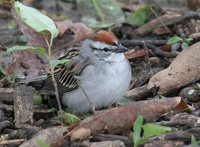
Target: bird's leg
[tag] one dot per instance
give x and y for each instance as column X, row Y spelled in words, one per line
column 89, row 101
column 93, row 108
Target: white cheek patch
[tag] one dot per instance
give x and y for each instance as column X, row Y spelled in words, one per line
column 101, row 45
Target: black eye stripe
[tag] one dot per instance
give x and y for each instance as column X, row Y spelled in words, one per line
column 105, row 49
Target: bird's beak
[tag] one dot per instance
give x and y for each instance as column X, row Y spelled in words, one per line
column 120, row 49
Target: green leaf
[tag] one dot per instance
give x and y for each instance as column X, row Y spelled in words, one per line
column 140, row 16
column 137, row 127
column 174, row 40
column 52, row 110
column 69, row 118
column 100, row 13
column 37, row 98
column 189, row 40
column 184, row 45
column 35, row 19
column 153, row 129
column 19, row 48
column 194, row 142
column 40, row 50
column 22, row 38
column 55, row 62
column 198, row 85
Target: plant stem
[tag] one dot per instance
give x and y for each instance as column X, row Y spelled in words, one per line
column 98, row 11
column 52, row 74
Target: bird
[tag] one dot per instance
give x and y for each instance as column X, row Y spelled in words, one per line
column 97, row 76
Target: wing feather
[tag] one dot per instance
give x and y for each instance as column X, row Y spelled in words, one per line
column 64, row 75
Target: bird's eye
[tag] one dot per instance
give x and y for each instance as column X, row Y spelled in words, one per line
column 105, row 49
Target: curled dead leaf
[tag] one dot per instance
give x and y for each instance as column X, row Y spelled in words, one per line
column 183, row 70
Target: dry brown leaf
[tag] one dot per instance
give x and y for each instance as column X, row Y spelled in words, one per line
column 131, row 54
column 27, row 64
column 122, row 118
column 183, row 70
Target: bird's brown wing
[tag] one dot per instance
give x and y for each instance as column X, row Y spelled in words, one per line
column 65, row 75
column 64, row 78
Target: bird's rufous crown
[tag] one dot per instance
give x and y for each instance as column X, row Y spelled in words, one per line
column 106, row 37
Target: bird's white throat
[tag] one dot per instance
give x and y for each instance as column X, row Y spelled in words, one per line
column 115, row 57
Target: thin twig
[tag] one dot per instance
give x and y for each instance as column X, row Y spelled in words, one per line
column 159, row 52
column 147, row 57
column 152, row 45
column 160, row 20
column 140, row 42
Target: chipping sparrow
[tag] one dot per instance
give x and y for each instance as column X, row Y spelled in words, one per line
column 98, row 74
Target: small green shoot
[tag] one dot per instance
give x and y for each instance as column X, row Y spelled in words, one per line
column 137, row 138
column 184, row 42
column 189, row 40
column 137, row 129
column 37, row 98
column 149, row 130
column 69, row 118
column 174, row 40
column 184, row 45
column 194, row 142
